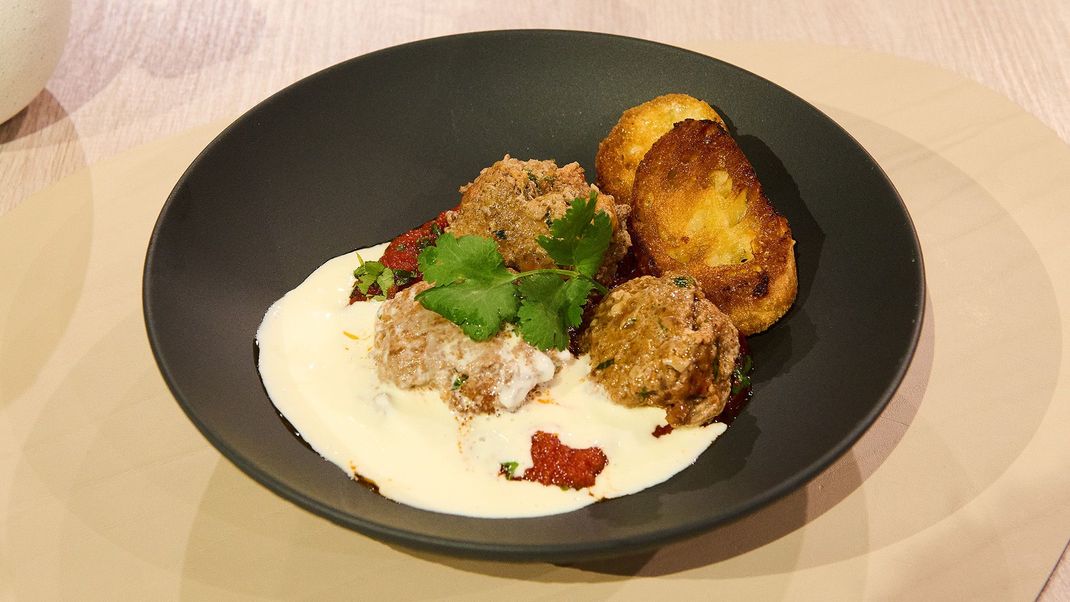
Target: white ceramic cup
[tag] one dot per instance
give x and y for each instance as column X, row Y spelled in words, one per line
column 32, row 36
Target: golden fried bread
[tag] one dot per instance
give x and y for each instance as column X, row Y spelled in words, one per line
column 697, row 207
column 639, row 127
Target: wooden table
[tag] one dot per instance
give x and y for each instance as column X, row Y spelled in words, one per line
column 135, row 72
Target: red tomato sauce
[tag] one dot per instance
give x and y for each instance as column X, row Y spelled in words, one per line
column 401, row 256
column 661, row 430
column 558, row 464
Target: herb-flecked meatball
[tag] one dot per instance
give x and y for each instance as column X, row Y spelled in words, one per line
column 657, row 341
column 514, row 202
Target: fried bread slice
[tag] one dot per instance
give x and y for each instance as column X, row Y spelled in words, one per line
column 636, row 131
column 697, row 207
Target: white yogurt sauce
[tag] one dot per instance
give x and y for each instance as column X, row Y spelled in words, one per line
column 317, row 368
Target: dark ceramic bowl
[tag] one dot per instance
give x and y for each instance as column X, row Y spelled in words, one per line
column 369, row 148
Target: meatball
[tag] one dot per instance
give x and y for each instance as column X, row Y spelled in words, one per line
column 513, row 203
column 416, row 347
column 657, row 341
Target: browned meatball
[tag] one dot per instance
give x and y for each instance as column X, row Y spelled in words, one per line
column 513, row 202
column 659, row 342
column 415, row 347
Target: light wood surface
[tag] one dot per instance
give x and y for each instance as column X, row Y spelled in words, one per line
column 134, row 72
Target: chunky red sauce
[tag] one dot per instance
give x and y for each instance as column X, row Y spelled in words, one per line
column 558, row 464
column 661, row 430
column 402, row 252
column 401, row 256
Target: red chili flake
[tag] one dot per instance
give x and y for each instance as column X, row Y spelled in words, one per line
column 555, row 463
column 662, row 429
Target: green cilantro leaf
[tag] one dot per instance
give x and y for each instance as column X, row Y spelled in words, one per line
column 683, row 281
column 605, row 364
column 508, row 470
column 549, row 306
column 459, row 381
column 478, row 307
column 452, row 259
column 580, row 237
column 372, row 273
column 473, row 289
column 741, row 375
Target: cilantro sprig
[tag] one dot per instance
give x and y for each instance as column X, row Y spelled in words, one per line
column 508, row 470
column 373, row 273
column 473, row 288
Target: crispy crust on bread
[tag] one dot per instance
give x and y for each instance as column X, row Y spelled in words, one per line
column 697, row 207
column 636, row 131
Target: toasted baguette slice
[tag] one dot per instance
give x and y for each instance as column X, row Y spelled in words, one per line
column 699, row 208
column 633, row 135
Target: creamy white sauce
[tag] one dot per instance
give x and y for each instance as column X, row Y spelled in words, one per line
column 317, row 368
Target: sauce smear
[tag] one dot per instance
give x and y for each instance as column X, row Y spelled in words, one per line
column 558, row 464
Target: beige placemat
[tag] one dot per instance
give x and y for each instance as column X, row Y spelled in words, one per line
column 962, row 488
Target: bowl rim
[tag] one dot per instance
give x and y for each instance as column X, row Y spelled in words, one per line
column 516, row 552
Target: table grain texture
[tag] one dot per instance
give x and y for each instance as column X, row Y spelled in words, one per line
column 133, row 71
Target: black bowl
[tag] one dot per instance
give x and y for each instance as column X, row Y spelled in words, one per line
column 369, row 148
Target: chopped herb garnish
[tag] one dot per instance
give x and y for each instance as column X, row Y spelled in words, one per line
column 741, row 375
column 508, row 469
column 643, row 394
column 604, row 364
column 473, row 288
column 459, row 381
column 580, row 238
column 682, row 281
column 403, row 277
column 373, row 273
